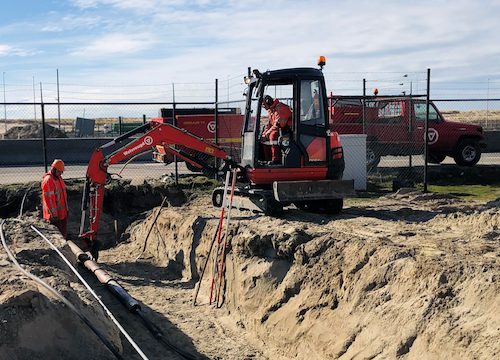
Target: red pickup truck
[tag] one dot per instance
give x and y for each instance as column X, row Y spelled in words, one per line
column 395, row 126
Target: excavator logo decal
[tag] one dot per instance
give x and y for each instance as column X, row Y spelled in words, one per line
column 148, row 140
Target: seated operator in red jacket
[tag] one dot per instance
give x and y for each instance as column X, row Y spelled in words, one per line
column 280, row 118
column 54, row 197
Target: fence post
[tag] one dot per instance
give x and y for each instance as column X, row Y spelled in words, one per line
column 44, row 138
column 119, row 125
column 410, row 129
column 174, row 122
column 364, row 104
column 216, row 119
column 143, row 119
column 216, row 111
column 4, row 103
column 426, row 127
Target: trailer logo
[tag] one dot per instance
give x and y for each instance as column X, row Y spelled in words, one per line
column 148, row 140
column 211, row 126
column 432, row 136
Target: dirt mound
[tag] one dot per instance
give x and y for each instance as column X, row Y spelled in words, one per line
column 33, row 131
column 409, row 275
column 123, row 204
column 34, row 324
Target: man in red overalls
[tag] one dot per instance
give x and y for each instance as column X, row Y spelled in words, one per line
column 54, row 197
column 280, row 118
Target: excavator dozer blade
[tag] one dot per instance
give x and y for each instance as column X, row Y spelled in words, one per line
column 291, row 191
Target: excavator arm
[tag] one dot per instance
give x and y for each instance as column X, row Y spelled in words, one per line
column 153, row 133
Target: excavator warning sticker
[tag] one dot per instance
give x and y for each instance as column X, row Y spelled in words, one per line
column 211, row 126
column 432, row 135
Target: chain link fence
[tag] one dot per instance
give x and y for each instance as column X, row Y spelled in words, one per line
column 394, row 126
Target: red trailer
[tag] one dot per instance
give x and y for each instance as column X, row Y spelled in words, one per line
column 203, row 126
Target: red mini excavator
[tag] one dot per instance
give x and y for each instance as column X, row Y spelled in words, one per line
column 308, row 175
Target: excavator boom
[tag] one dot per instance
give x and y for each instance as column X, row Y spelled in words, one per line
column 153, row 133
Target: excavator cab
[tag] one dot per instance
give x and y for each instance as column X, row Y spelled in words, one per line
column 307, row 149
column 310, row 163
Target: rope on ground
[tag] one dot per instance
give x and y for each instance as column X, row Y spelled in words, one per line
column 153, row 224
column 54, row 292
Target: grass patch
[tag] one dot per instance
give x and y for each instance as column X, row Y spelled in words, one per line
column 469, row 192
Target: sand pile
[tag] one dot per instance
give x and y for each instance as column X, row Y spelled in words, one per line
column 33, row 131
column 34, row 324
column 411, row 275
column 408, row 276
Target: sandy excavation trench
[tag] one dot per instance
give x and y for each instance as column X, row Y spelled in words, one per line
column 407, row 276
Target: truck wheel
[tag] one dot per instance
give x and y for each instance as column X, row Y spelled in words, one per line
column 436, row 158
column 467, row 153
column 372, row 159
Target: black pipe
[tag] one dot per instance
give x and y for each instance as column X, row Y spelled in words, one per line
column 128, row 301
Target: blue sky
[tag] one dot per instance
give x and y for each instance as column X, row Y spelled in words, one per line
column 109, row 50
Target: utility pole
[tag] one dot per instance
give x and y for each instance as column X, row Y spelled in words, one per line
column 4, row 102
column 34, row 97
column 44, row 134
column 487, row 103
column 58, row 103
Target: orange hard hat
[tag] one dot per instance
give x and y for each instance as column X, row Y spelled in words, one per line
column 58, row 164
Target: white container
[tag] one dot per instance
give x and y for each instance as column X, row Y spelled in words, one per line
column 354, row 146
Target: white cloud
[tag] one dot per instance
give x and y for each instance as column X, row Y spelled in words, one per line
column 115, row 44
column 168, row 41
column 71, row 22
column 128, row 4
column 7, row 50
